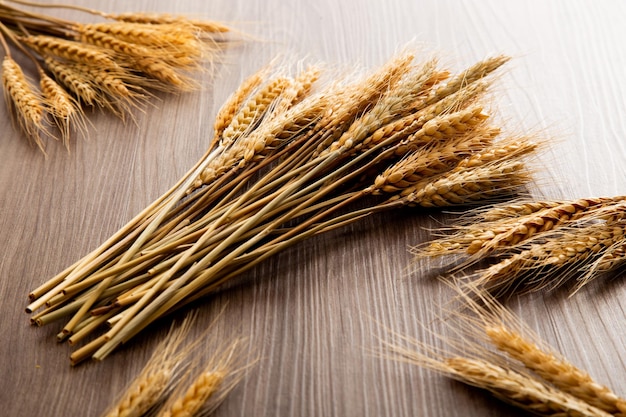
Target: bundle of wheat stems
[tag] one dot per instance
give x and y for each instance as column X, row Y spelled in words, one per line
column 493, row 350
column 176, row 383
column 289, row 161
column 111, row 65
column 538, row 244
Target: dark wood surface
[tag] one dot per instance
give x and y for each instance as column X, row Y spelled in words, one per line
column 317, row 313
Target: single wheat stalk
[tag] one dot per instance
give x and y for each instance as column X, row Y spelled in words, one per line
column 23, row 102
column 517, row 389
column 70, row 50
column 204, row 390
column 63, row 108
column 556, row 370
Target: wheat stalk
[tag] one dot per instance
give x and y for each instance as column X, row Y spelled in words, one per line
column 556, row 370
column 517, row 389
column 23, row 102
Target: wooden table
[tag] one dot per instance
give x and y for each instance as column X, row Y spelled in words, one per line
column 315, row 313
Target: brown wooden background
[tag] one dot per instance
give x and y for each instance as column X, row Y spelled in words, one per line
column 312, row 313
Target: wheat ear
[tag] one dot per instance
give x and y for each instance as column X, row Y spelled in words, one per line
column 25, row 105
column 206, row 389
column 518, row 389
column 556, row 370
column 70, row 50
column 62, row 106
column 233, row 103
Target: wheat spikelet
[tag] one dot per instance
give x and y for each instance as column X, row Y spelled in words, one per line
column 443, row 128
column 70, row 50
column 25, row 105
column 505, row 211
column 509, row 149
column 203, row 390
column 143, row 395
column 517, row 389
column 167, row 75
column 556, row 370
column 107, row 41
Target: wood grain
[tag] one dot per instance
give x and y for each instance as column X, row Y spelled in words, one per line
column 317, row 313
